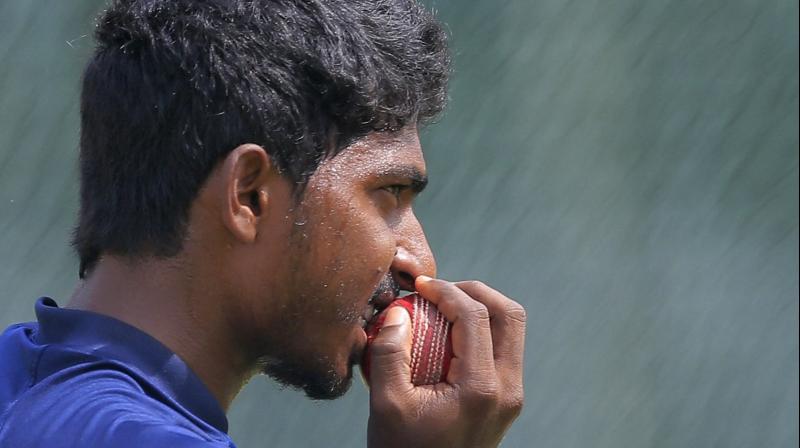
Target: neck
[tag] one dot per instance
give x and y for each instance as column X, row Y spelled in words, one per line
column 163, row 299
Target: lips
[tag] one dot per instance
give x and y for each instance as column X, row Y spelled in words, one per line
column 381, row 300
column 386, row 293
column 372, row 310
column 369, row 313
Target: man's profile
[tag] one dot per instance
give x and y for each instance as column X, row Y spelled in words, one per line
column 248, row 170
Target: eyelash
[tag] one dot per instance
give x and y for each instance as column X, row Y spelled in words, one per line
column 396, row 190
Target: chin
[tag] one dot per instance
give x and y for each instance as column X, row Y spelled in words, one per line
column 319, row 378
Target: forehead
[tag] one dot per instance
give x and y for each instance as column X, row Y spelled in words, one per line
column 377, row 153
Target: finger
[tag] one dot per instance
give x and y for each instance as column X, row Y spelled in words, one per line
column 390, row 355
column 473, row 360
column 508, row 321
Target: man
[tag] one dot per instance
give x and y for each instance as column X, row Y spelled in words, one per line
column 247, row 175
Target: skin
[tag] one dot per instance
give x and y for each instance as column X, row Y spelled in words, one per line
column 267, row 284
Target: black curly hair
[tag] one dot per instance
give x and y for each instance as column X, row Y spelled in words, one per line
column 174, row 85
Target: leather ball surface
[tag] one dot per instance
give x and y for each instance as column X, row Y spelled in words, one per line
column 431, row 347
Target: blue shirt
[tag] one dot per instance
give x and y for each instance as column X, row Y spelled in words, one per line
column 81, row 379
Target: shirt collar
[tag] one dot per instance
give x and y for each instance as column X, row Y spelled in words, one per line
column 113, row 339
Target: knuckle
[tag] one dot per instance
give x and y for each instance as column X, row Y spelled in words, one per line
column 512, row 406
column 478, row 312
column 516, row 312
column 482, row 395
column 440, row 284
column 475, row 284
column 444, row 290
column 384, row 347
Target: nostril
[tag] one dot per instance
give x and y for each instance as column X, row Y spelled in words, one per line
column 405, row 281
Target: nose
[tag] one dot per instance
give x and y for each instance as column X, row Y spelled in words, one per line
column 413, row 256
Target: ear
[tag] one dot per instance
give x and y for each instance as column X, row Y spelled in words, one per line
column 246, row 175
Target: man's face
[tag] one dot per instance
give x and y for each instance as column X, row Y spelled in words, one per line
column 353, row 243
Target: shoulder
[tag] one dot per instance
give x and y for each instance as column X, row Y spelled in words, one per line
column 135, row 434
column 97, row 408
column 103, row 434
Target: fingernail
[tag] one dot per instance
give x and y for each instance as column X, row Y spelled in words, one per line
column 396, row 316
column 423, row 278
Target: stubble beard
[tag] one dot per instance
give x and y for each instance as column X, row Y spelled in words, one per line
column 316, row 375
column 313, row 373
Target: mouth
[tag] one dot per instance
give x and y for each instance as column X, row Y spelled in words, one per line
column 385, row 295
column 369, row 313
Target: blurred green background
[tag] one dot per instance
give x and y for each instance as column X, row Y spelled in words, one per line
column 626, row 169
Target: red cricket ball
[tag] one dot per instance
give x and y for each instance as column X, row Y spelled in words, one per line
column 431, row 346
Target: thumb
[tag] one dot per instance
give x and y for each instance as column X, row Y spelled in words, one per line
column 390, row 351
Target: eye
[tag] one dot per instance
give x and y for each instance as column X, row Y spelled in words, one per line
column 395, row 190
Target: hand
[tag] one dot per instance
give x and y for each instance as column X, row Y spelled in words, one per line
column 483, row 393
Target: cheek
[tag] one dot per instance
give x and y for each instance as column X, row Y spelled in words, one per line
column 346, row 247
column 370, row 244
column 360, row 236
column 356, row 257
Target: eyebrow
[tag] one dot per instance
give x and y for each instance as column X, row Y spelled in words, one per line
column 418, row 180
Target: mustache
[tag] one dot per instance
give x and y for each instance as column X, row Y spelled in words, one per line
column 386, row 286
